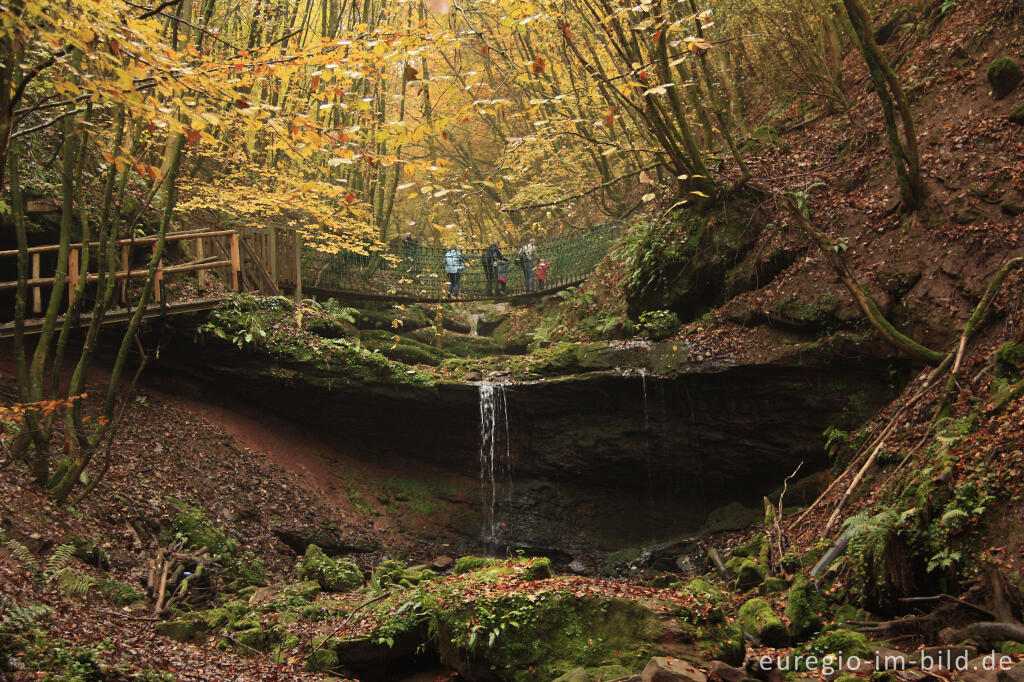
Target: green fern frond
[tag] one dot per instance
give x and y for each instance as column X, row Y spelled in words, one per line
column 72, row 584
column 59, row 559
column 22, row 554
column 20, row 618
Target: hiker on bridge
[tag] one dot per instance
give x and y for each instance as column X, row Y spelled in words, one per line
column 454, row 263
column 527, row 260
column 542, row 273
column 410, row 249
column 491, row 256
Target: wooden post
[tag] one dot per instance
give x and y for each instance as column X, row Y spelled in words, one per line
column 298, row 266
column 159, row 277
column 72, row 275
column 272, row 252
column 37, row 293
column 200, row 274
column 236, row 261
column 126, row 264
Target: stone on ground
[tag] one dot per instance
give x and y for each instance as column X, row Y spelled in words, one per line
column 665, row 669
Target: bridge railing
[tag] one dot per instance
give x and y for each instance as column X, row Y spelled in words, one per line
column 409, row 270
column 211, row 251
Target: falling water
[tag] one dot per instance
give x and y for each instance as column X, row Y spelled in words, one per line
column 643, row 380
column 495, row 460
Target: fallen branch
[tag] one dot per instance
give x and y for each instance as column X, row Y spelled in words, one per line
column 716, row 560
column 947, row 598
column 834, row 552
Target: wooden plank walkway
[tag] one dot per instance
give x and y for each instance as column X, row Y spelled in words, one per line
column 33, row 326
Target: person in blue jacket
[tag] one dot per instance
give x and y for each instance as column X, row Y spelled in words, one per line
column 454, row 263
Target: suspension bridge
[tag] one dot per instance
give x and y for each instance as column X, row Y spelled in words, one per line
column 201, row 269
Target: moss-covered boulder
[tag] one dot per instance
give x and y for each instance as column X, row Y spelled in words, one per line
column 722, row 643
column 750, row 549
column 838, row 642
column 391, row 572
column 254, row 639
column 772, row 585
column 748, row 573
column 538, row 568
column 555, row 632
column 1004, row 75
column 331, row 575
column 576, row 675
column 1017, row 115
column 708, row 597
column 756, row 618
column 804, row 609
column 185, row 630
column 321, row 660
column 468, row 564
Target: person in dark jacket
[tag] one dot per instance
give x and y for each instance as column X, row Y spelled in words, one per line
column 492, row 254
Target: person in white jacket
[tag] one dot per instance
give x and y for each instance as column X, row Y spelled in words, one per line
column 454, row 263
column 527, row 260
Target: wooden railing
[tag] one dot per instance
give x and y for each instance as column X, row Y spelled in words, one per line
column 224, row 242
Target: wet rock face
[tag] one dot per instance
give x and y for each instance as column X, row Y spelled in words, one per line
column 601, row 460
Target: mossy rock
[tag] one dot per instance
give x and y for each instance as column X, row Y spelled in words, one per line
column 391, row 319
column 804, row 608
column 608, row 672
column 1009, row 360
column 708, row 597
column 749, row 549
column 331, row 575
column 771, row 585
column 537, row 569
column 723, row 643
column 749, row 573
column 403, row 349
column 1009, row 648
column 182, row 630
column 557, row 633
column 1004, row 75
column 847, row 642
column 392, row 572
column 253, row 638
column 468, row 564
column 757, row 618
column 307, row 589
column 1017, row 115
column 576, row 675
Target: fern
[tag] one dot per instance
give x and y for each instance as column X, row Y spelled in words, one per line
column 59, row 559
column 954, row 513
column 20, row 618
column 22, row 554
column 72, row 584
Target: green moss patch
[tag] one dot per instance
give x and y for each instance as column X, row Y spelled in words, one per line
column 330, row 574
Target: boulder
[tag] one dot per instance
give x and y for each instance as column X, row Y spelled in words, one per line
column 1017, row 115
column 757, row 619
column 182, row 630
column 1014, row 674
column 577, row 675
column 665, row 669
column 1012, row 203
column 889, row 659
column 442, row 563
column 748, row 574
column 727, row 672
column 1004, row 75
column 947, row 657
column 804, row 606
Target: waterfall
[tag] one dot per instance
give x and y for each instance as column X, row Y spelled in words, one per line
column 495, row 457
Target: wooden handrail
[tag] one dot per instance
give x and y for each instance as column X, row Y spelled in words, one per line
column 199, row 265
column 171, row 237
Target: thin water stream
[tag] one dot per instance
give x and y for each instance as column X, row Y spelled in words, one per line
column 495, row 460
